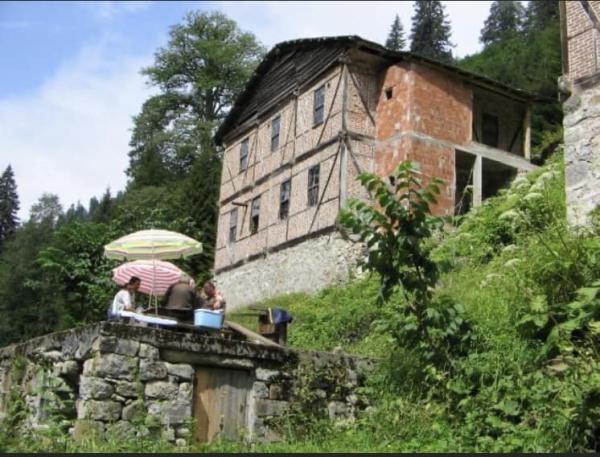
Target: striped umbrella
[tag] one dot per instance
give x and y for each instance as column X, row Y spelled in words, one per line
column 152, row 244
column 156, row 275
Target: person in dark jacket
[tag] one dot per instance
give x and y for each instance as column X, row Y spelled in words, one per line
column 182, row 295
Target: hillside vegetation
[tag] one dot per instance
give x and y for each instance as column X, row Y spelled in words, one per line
column 527, row 378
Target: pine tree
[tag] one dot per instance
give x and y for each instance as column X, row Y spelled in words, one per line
column 395, row 40
column 504, row 21
column 430, row 33
column 9, row 204
column 540, row 13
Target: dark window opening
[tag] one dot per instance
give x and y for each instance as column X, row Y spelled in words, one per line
column 388, row 93
column 275, row 126
column 489, row 130
column 284, row 199
column 233, row 217
column 313, row 185
column 255, row 215
column 244, row 155
column 319, row 106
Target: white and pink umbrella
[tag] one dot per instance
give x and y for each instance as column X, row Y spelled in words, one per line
column 156, row 275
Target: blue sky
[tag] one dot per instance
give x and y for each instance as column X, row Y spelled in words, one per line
column 70, row 75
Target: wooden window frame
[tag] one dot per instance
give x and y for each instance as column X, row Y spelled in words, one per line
column 314, row 176
column 275, row 131
column 255, row 215
column 233, row 220
column 244, row 152
column 285, row 193
column 319, row 106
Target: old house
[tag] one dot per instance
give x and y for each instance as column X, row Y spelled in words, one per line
column 580, row 36
column 319, row 111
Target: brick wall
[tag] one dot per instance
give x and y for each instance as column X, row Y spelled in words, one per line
column 583, row 41
column 424, row 103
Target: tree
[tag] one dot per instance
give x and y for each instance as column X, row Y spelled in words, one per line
column 531, row 62
column 430, row 33
column 540, row 14
column 395, row 40
column 200, row 72
column 396, row 229
column 9, row 204
column 504, row 21
column 47, row 210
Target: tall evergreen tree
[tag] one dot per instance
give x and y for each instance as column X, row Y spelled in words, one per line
column 47, row 210
column 395, row 40
column 200, row 72
column 504, row 21
column 430, row 33
column 9, row 204
column 540, row 14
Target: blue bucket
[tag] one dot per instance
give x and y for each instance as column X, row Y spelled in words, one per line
column 208, row 318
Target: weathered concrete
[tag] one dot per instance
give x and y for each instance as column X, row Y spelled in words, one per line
column 132, row 381
column 582, row 156
column 306, row 267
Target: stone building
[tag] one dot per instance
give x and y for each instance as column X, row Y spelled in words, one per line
column 316, row 113
column 580, row 35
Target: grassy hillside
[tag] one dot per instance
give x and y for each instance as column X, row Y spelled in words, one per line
column 530, row 377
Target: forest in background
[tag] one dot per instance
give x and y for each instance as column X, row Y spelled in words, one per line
column 53, row 274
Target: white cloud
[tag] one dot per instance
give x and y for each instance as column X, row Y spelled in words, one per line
column 71, row 136
column 273, row 22
column 106, row 10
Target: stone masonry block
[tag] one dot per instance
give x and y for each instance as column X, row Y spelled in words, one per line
column 161, row 390
column 181, row 370
column 151, row 369
column 270, row 407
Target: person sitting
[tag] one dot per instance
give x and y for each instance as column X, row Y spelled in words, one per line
column 125, row 299
column 213, row 298
column 181, row 299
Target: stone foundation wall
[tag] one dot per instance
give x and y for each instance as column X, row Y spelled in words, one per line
column 582, row 158
column 127, row 381
column 305, row 267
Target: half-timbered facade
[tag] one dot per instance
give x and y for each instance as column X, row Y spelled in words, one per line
column 318, row 112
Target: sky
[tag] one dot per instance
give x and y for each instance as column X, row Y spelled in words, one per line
column 70, row 79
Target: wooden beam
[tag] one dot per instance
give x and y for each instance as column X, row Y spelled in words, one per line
column 477, row 181
column 527, row 135
column 253, row 337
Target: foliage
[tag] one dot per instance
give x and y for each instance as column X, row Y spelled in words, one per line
column 504, row 21
column 81, row 277
column 9, row 204
column 200, row 73
column 47, row 210
column 530, row 61
column 395, row 40
column 396, row 229
column 430, row 33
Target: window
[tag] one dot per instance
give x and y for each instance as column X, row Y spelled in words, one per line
column 313, row 185
column 275, row 126
column 244, row 155
column 319, row 105
column 284, row 199
column 254, row 215
column 489, row 130
column 233, row 217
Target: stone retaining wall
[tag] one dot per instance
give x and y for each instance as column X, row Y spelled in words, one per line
column 306, row 267
column 582, row 159
column 126, row 381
